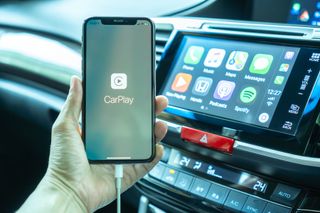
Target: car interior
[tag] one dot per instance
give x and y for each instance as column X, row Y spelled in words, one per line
column 242, row 79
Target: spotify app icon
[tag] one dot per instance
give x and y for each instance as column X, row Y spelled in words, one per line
column 248, row 95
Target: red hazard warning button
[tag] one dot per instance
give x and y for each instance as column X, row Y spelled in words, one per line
column 206, row 139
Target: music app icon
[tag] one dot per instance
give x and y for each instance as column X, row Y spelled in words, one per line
column 214, row 57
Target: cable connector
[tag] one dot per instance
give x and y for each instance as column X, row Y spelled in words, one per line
column 118, row 174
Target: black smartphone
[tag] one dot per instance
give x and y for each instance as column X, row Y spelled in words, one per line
column 119, row 89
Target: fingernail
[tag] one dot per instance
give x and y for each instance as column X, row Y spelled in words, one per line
column 72, row 82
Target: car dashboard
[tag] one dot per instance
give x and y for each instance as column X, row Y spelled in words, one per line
column 243, row 118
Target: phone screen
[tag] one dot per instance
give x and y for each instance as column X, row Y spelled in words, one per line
column 118, row 115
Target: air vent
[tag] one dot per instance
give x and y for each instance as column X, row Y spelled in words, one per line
column 163, row 32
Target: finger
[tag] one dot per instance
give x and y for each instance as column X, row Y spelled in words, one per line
column 72, row 106
column 160, row 130
column 161, row 103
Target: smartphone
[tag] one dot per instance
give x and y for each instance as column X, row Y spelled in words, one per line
column 119, row 89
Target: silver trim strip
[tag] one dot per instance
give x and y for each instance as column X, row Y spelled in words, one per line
column 262, row 151
column 283, row 156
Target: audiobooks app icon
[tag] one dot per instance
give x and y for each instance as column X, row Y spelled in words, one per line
column 181, row 82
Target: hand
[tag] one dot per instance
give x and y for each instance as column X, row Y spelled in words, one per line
column 91, row 186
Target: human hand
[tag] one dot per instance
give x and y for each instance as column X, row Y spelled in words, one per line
column 92, row 186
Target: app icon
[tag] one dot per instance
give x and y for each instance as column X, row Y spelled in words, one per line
column 263, row 117
column 284, row 68
column 237, row 60
column 224, row 90
column 193, row 55
column 214, row 57
column 118, row 81
column 181, row 82
column 202, row 86
column 295, row 8
column 304, row 17
column 261, row 64
column 289, row 55
column 248, row 95
column 278, row 80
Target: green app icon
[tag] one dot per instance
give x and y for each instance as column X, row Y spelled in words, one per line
column 278, row 80
column 193, row 55
column 261, row 64
column 248, row 95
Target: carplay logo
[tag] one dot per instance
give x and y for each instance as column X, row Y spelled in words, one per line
column 118, row 81
column 120, row 99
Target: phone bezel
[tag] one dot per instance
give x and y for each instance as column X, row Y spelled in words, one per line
column 120, row 21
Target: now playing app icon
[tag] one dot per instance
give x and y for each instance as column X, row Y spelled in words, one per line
column 119, row 81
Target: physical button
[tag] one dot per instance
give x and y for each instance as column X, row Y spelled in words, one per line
column 183, row 181
column 200, row 187
column 170, row 176
column 235, row 201
column 285, row 194
column 206, row 139
column 273, row 208
column 254, row 205
column 166, row 154
column 217, row 194
column 157, row 171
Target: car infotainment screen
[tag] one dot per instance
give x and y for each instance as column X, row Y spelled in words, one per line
column 242, row 81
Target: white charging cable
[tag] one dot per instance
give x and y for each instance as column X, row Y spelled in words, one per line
column 118, row 174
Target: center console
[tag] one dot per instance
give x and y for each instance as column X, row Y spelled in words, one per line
column 243, row 118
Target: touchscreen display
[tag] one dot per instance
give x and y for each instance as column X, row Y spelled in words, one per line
column 305, row 12
column 118, row 92
column 242, row 81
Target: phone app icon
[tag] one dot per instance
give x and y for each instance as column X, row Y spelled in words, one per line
column 261, row 64
column 224, row 90
column 278, row 80
column 214, row 57
column 284, row 67
column 237, row 60
column 202, row 86
column 248, row 94
column 181, row 82
column 193, row 55
column 118, row 81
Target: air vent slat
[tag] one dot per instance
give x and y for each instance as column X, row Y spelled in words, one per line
column 159, row 49
column 158, row 57
column 163, row 32
column 162, row 37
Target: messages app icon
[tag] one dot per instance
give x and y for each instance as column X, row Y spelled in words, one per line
column 193, row 55
column 261, row 64
column 224, row 90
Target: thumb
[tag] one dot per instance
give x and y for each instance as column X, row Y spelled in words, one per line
column 72, row 106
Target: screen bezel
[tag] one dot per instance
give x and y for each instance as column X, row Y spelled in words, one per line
column 295, row 143
column 120, row 21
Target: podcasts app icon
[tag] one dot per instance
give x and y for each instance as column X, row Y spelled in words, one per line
column 224, row 90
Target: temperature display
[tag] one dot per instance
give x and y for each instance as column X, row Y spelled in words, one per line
column 235, row 177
